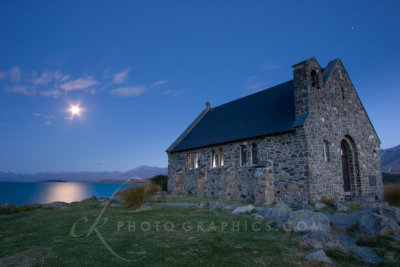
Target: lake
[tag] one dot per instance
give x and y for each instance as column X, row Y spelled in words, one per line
column 46, row 192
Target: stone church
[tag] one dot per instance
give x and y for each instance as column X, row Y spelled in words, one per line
column 296, row 142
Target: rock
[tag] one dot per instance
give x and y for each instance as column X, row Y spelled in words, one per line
column 103, row 199
column 319, row 205
column 319, row 256
column 373, row 224
column 365, row 253
column 257, row 216
column 172, row 196
column 345, row 239
column 305, row 206
column 201, row 205
column 174, row 204
column 56, row 204
column 216, row 205
column 230, row 207
column 322, row 240
column 278, row 214
column 390, row 212
column 341, row 207
column 243, row 209
column 307, row 220
column 91, row 198
column 344, row 220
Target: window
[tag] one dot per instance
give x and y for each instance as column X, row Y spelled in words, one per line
column 342, row 91
column 196, row 160
column 213, row 162
column 243, row 159
column 221, row 157
column 314, row 79
column 189, row 161
column 254, row 157
column 326, row 151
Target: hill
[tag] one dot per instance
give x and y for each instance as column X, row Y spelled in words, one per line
column 390, row 159
column 141, row 172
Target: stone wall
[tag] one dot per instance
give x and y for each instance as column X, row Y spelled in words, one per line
column 335, row 114
column 280, row 175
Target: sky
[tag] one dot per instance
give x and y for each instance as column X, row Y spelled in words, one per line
column 141, row 71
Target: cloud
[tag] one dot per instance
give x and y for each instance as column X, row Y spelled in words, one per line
column 36, row 114
column 48, row 122
column 3, row 75
column 14, row 74
column 79, row 84
column 20, row 89
column 120, row 77
column 99, row 162
column 173, row 92
column 50, row 93
column 129, row 91
column 159, row 83
column 49, row 76
column 267, row 67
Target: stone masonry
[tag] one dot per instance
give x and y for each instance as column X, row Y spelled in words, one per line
column 297, row 166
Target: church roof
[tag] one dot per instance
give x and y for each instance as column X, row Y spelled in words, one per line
column 264, row 113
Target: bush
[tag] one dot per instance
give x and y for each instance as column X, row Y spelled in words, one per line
column 161, row 180
column 329, row 201
column 392, row 194
column 134, row 196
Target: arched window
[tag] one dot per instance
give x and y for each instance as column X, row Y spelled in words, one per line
column 213, row 162
column 243, row 158
column 189, row 161
column 314, row 79
column 221, row 157
column 196, row 160
column 254, row 156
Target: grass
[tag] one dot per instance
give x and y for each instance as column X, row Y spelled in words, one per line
column 391, row 194
column 343, row 259
column 383, row 246
column 42, row 237
column 134, row 196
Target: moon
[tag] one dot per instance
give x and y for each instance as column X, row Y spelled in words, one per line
column 75, row 110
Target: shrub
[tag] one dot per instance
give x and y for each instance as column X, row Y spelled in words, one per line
column 392, row 194
column 151, row 189
column 134, row 196
column 161, row 180
column 329, row 201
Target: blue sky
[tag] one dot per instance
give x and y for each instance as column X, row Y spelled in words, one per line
column 142, row 70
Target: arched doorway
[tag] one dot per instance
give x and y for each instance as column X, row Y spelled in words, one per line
column 350, row 167
column 345, row 167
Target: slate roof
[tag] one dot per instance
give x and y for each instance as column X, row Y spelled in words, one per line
column 266, row 112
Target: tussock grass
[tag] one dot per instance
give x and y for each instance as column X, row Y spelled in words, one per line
column 392, row 194
column 329, row 201
column 134, row 196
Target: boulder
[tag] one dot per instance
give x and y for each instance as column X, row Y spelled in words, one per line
column 201, row 205
column 305, row 206
column 230, row 207
column 318, row 257
column 340, row 207
column 367, row 254
column 372, row 224
column 216, row 205
column 243, row 209
column 321, row 240
column 319, row 205
column 390, row 212
column 279, row 214
column 307, row 220
column 257, row 216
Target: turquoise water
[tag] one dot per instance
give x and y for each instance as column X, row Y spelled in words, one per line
column 41, row 192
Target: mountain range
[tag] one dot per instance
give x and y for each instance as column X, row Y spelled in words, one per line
column 390, row 159
column 141, row 172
